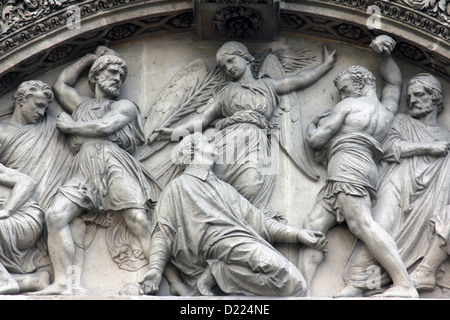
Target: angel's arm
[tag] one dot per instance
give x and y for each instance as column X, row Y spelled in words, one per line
column 306, row 77
column 198, row 124
column 64, row 87
column 22, row 187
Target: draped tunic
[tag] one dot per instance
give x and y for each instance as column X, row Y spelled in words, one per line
column 243, row 136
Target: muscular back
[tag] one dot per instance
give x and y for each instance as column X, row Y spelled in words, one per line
column 366, row 115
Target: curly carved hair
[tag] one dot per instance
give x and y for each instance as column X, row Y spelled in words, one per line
column 29, row 89
column 101, row 63
column 360, row 75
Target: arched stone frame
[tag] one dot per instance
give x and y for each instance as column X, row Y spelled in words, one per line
column 44, row 43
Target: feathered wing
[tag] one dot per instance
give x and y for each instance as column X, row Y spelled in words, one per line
column 182, row 98
column 287, row 116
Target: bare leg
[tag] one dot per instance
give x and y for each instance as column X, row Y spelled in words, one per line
column 357, row 212
column 139, row 224
column 78, row 231
column 319, row 219
column 424, row 276
column 60, row 244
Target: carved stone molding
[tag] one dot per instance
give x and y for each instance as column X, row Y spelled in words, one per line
column 37, row 36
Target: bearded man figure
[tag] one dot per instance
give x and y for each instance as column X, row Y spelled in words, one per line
column 413, row 192
column 105, row 178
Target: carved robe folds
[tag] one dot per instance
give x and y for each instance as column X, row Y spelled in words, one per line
column 413, row 197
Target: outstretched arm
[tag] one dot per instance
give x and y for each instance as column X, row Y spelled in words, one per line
column 390, row 72
column 286, row 234
column 306, row 77
column 22, row 187
column 159, row 257
column 173, row 134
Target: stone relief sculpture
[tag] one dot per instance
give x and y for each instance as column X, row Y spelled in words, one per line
column 245, row 110
column 23, row 264
column 349, row 137
column 32, row 149
column 413, row 191
column 216, row 238
column 104, row 177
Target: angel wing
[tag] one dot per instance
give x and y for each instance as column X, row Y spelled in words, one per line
column 289, row 120
column 183, row 97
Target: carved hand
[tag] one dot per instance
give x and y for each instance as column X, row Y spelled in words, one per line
column 150, row 283
column 102, row 50
column 329, row 58
column 383, row 45
column 165, row 134
column 439, row 148
column 65, row 122
column 314, row 239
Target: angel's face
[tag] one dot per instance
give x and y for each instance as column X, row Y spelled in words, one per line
column 233, row 65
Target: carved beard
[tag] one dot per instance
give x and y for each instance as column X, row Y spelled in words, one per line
column 109, row 87
column 418, row 111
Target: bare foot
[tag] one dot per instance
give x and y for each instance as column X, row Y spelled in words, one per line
column 54, row 289
column 399, row 292
column 349, row 291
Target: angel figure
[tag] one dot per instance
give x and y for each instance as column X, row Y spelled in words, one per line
column 246, row 111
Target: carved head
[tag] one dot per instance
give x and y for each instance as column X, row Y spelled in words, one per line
column 108, row 72
column 234, row 58
column 194, row 148
column 424, row 94
column 354, row 82
column 33, row 98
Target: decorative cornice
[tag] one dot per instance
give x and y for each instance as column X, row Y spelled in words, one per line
column 35, row 35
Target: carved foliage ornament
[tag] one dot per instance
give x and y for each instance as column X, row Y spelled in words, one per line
column 237, row 21
column 435, row 8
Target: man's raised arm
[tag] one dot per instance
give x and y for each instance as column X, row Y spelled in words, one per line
column 390, row 72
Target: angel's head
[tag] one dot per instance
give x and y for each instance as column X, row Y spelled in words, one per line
column 195, row 148
column 108, row 73
column 354, row 82
column 234, row 59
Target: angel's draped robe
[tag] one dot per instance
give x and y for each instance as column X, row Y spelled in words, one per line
column 204, row 222
column 413, row 200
